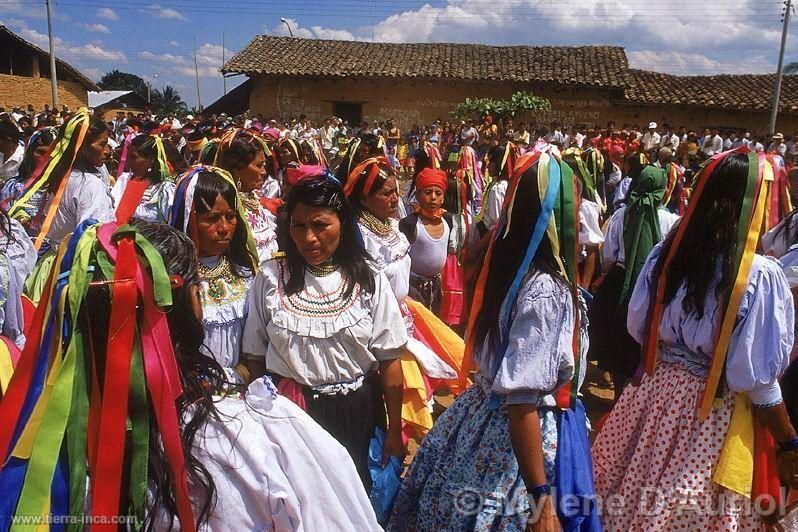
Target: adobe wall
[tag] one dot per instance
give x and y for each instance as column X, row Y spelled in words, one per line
column 421, row 102
column 21, row 91
column 415, row 101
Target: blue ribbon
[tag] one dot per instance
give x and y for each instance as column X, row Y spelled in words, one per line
column 542, row 223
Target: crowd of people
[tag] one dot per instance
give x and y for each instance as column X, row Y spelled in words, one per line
column 240, row 323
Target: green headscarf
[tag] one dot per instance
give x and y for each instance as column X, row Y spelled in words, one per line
column 641, row 229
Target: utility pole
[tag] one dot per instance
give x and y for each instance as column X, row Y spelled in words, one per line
column 372, row 20
column 780, row 72
column 196, row 75
column 224, row 78
column 53, row 75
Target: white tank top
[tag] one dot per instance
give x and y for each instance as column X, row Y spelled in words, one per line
column 428, row 255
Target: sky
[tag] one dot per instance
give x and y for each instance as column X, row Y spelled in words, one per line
column 156, row 40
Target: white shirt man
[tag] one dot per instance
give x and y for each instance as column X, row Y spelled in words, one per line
column 712, row 144
column 651, row 139
column 555, row 137
column 328, row 133
column 669, row 140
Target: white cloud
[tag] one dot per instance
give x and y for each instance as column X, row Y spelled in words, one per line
column 173, row 43
column 107, row 13
column 67, row 50
column 681, row 63
column 16, row 7
column 92, row 73
column 209, row 61
column 96, row 28
column 314, row 32
column 164, row 12
column 741, row 37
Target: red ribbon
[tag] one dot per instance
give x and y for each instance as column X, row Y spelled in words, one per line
column 131, row 198
column 107, row 475
column 163, row 382
column 11, row 405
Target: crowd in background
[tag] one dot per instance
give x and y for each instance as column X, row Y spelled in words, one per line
column 333, row 279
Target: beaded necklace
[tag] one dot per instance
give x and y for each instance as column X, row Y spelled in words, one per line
column 223, row 286
column 375, row 225
column 322, row 269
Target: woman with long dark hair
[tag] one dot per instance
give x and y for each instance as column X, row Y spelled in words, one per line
column 716, row 324
column 146, row 188
column 493, row 458
column 72, row 182
column 632, row 232
column 245, row 156
column 133, row 358
column 328, row 328
column 207, row 208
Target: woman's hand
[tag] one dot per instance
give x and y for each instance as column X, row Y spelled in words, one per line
column 393, row 445
column 544, row 517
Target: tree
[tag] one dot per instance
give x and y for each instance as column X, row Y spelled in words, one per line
column 123, row 81
column 167, row 100
column 791, row 68
column 520, row 101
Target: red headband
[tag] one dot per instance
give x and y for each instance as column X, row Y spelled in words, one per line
column 431, row 177
column 294, row 175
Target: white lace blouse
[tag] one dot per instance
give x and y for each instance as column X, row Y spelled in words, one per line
column 319, row 336
column 224, row 311
column 391, row 254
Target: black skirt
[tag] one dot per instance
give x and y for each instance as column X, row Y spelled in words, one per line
column 611, row 345
column 351, row 419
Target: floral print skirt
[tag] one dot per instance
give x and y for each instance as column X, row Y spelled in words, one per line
column 465, row 475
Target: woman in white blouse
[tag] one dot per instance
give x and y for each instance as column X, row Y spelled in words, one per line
column 72, row 181
column 244, row 156
column 146, row 189
column 327, row 327
column 208, row 209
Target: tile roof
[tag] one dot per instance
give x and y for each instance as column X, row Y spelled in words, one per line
column 603, row 66
column 60, row 64
column 740, row 91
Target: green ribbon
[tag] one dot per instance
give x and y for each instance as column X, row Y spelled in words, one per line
column 641, row 231
column 49, row 438
column 139, row 436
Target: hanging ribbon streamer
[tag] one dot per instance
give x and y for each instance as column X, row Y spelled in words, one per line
column 760, row 176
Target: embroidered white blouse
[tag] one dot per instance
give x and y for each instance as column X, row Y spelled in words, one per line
column 85, row 196
column 539, row 358
column 156, row 203
column 391, row 254
column 264, row 228
column 319, row 336
column 224, row 311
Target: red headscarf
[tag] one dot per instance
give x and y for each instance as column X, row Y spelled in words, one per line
column 431, row 177
column 293, row 175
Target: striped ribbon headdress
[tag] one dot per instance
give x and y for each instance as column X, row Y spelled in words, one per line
column 65, row 148
column 751, row 224
column 557, row 222
column 183, row 216
column 60, row 427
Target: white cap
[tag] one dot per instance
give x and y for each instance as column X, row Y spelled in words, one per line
column 652, row 125
column 189, row 117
